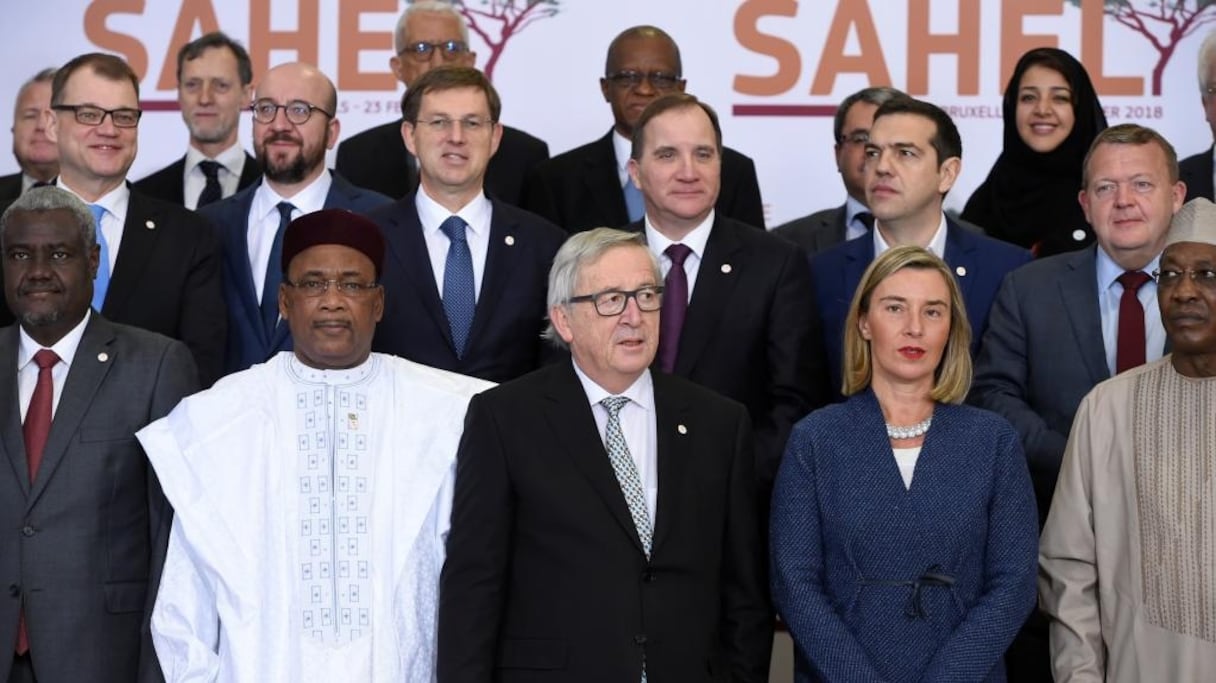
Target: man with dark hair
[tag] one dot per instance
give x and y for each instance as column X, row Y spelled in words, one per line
column 87, row 524
column 913, row 158
column 465, row 288
column 160, row 266
column 851, row 131
column 589, row 186
column 432, row 33
column 37, row 156
column 294, row 123
column 214, row 80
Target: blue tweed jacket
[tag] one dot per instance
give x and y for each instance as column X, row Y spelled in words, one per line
column 881, row 583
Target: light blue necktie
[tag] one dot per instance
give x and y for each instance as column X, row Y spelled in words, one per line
column 102, row 282
column 633, row 201
column 459, row 298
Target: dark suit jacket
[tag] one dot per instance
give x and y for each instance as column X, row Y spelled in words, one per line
column 378, row 160
column 545, row 577
column 580, row 189
column 504, row 341
column 749, row 334
column 979, row 264
column 169, row 182
column 85, row 542
column 167, row 280
column 10, row 186
column 1196, row 172
column 815, row 232
column 248, row 343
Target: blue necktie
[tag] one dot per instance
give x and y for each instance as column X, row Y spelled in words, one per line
column 102, row 282
column 459, row 298
column 633, row 201
column 274, row 271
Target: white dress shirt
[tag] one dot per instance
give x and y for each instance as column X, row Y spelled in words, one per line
column 637, row 423
column 264, row 221
column 1109, row 294
column 232, row 163
column 622, row 147
column 27, row 370
column 477, row 215
column 937, row 245
column 695, row 240
column 112, row 221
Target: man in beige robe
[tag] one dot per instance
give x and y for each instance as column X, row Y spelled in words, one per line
column 1128, row 556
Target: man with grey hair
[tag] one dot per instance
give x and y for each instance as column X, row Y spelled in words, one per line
column 88, row 522
column 603, row 524
column 851, row 132
column 35, row 153
column 432, row 33
column 1127, row 560
column 1198, row 171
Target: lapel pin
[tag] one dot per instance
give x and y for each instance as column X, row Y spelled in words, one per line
column 510, row 240
column 682, row 429
column 103, row 356
column 961, row 271
column 726, row 268
column 1078, row 235
column 150, row 225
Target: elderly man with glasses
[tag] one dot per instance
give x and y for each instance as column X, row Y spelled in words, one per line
column 432, row 33
column 168, row 277
column 293, row 126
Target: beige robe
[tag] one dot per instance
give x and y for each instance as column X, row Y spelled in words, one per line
column 1127, row 560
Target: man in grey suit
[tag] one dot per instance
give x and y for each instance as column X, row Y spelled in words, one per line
column 851, row 130
column 87, row 523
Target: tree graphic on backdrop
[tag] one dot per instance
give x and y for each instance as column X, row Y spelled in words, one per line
column 497, row 21
column 1162, row 23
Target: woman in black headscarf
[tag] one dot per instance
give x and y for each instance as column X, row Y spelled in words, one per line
column 1052, row 114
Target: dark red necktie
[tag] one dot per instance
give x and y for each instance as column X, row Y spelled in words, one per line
column 1129, row 345
column 675, row 306
column 35, row 430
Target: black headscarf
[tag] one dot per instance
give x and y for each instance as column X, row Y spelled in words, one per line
column 1029, row 197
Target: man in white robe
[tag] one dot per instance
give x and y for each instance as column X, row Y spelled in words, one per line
column 1128, row 556
column 311, row 492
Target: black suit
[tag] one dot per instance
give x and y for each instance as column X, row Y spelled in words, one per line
column 167, row 279
column 10, row 187
column 84, row 544
column 546, row 579
column 818, row 231
column 504, row 340
column 378, row 160
column 581, row 189
column 749, row 334
column 168, row 183
column 1196, row 172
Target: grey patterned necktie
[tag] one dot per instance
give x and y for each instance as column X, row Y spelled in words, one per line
column 626, row 471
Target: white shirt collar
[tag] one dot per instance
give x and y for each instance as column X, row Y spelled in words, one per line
column 344, row 376
column 232, row 158
column 696, row 239
column 115, row 201
column 937, row 245
column 623, row 148
column 431, row 214
column 640, row 392
column 307, row 200
column 65, row 348
column 1109, row 271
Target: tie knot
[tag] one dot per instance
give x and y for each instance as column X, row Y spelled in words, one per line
column 453, row 227
column 210, row 168
column 1133, row 280
column 867, row 219
column 45, row 358
column 677, row 253
column 285, row 209
column 613, row 404
column 98, row 211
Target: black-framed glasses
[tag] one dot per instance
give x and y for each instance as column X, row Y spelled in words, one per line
column 314, row 287
column 1168, row 277
column 659, row 80
column 857, row 137
column 297, row 111
column 89, row 115
column 613, row 301
column 448, row 50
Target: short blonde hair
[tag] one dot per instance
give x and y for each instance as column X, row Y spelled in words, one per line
column 952, row 378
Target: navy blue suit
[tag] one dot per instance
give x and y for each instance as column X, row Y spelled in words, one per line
column 979, row 264
column 504, row 341
column 248, row 341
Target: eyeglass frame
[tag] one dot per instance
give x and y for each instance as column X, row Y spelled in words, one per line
column 628, row 79
column 472, row 125
column 444, row 48
column 1208, row 281
column 358, row 289
column 857, row 137
column 594, row 298
column 77, row 108
column 266, row 101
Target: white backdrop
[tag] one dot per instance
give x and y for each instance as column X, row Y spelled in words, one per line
column 766, row 54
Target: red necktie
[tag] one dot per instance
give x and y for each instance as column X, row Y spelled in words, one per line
column 675, row 306
column 35, row 430
column 1129, row 345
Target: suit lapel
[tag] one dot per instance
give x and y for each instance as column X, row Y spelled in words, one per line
column 716, row 279
column 601, row 175
column 403, row 233
column 673, row 452
column 1078, row 291
column 10, row 412
column 959, row 248
column 251, row 172
column 577, row 434
column 84, row 377
column 834, row 229
column 139, row 235
column 236, row 261
column 496, row 277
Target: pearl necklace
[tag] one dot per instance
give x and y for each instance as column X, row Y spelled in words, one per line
column 909, row 432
